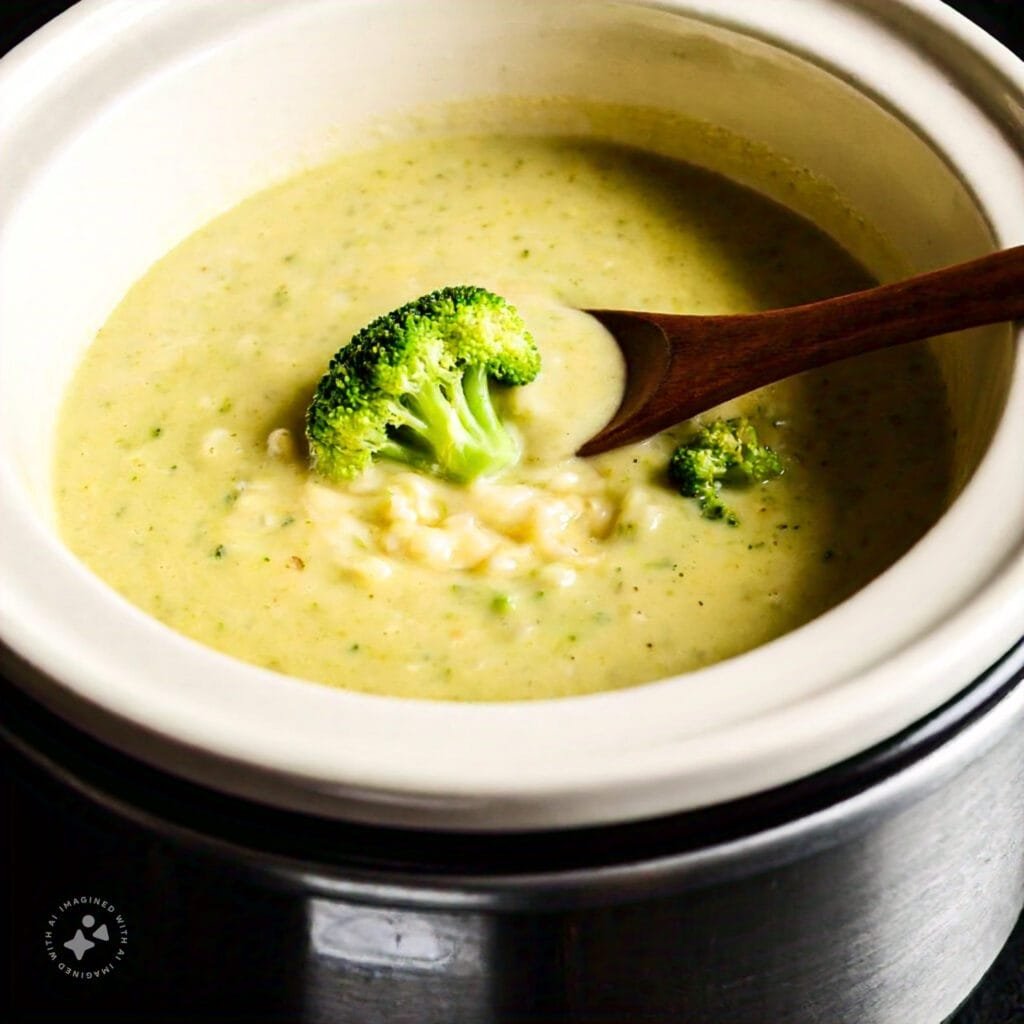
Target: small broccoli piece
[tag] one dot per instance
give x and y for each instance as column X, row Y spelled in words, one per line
column 414, row 386
column 725, row 451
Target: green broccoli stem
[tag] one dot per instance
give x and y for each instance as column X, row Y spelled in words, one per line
column 476, row 390
column 455, row 429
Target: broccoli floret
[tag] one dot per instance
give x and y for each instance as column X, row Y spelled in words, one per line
column 414, row 386
column 725, row 451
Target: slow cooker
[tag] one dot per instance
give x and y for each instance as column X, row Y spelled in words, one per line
column 826, row 829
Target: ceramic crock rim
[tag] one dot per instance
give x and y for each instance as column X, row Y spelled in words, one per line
column 461, row 787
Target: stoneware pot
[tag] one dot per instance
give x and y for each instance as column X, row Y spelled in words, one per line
column 827, row 828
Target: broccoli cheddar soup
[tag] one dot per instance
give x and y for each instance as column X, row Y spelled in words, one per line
column 183, row 478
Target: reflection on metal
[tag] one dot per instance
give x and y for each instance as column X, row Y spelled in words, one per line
column 404, row 940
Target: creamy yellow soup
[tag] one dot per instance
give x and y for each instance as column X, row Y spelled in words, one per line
column 182, row 474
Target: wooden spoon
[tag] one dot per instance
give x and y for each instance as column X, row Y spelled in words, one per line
column 678, row 366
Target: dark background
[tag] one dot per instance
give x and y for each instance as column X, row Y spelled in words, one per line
column 1000, row 999
column 1002, row 18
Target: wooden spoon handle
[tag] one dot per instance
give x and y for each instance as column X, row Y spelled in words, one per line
column 710, row 359
column 983, row 291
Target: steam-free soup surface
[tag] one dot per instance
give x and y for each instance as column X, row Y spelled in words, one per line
column 182, row 475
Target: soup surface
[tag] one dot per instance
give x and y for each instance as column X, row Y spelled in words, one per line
column 182, row 476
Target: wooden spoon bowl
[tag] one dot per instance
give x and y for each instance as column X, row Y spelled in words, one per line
column 678, row 366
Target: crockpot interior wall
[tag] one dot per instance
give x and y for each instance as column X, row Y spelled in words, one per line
column 154, row 152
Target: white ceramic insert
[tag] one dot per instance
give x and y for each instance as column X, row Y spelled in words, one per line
column 126, row 124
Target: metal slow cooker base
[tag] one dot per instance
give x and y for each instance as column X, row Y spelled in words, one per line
column 875, row 893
